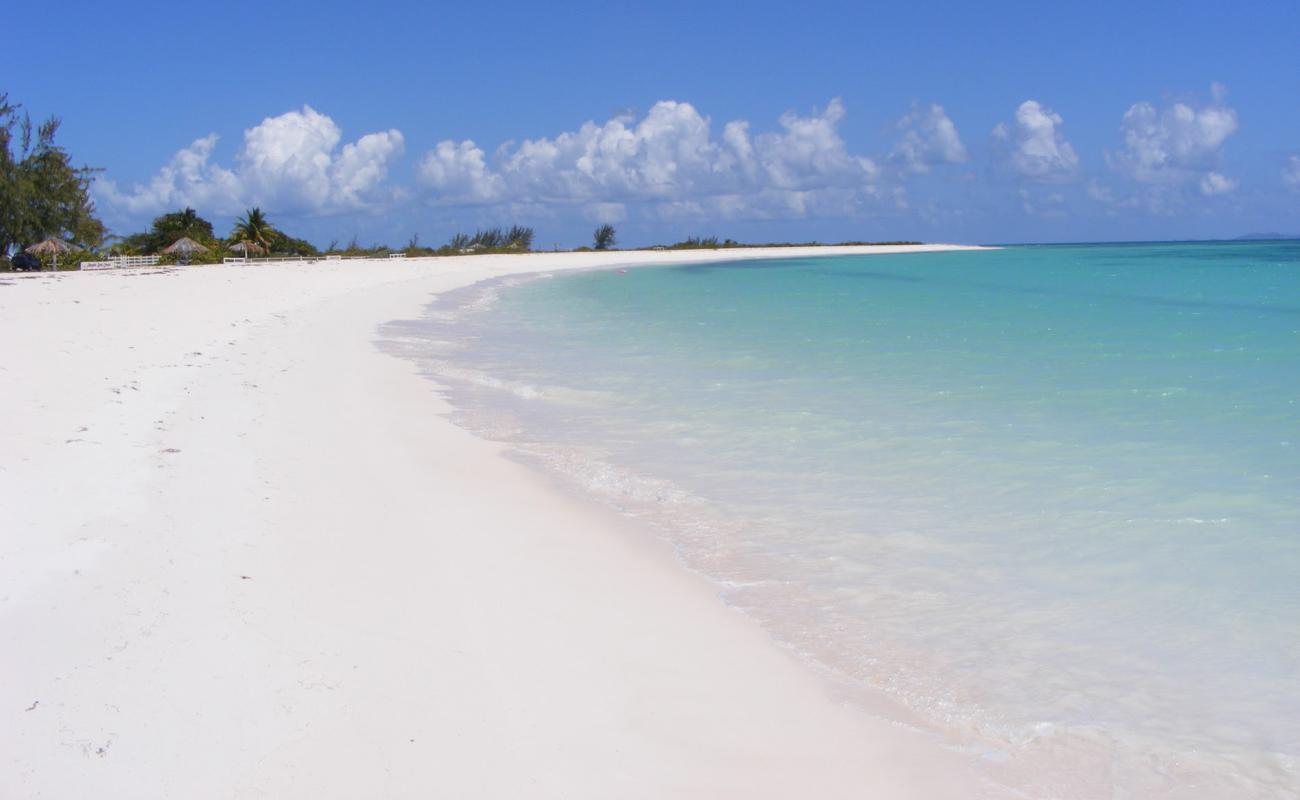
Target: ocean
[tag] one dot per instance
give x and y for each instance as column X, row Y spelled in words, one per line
column 1044, row 498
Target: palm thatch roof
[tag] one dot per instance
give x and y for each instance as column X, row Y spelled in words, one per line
column 247, row 247
column 52, row 246
column 185, row 246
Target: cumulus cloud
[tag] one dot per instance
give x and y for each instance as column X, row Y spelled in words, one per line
column 1034, row 147
column 188, row 179
column 1291, row 173
column 460, row 170
column 668, row 159
column 290, row 164
column 806, row 154
column 1177, row 145
column 928, row 138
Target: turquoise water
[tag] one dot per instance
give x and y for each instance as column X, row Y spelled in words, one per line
column 1047, row 498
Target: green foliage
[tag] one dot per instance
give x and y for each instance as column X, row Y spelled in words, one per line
column 184, row 223
column 41, row 193
column 519, row 238
column 253, row 228
column 700, row 243
column 137, row 244
column 875, row 244
column 490, row 239
column 712, row 243
column 282, row 244
column 64, row 261
column 414, row 250
column 515, row 239
column 355, row 248
column 214, row 256
column 166, row 230
column 604, row 237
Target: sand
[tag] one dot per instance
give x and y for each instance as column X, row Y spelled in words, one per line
column 243, row 553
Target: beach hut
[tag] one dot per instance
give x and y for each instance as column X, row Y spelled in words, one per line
column 185, row 247
column 52, row 247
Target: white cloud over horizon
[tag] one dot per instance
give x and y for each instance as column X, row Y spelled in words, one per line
column 291, row 163
column 671, row 166
column 669, row 162
column 1034, row 148
column 927, row 138
column 1170, row 157
column 1177, row 145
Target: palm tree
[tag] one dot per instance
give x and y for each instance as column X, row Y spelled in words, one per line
column 187, row 220
column 253, row 229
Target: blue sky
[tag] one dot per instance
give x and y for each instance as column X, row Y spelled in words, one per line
column 761, row 121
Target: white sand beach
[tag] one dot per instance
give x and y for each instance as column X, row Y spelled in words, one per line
column 244, row 554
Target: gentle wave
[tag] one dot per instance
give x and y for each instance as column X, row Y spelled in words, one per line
column 1045, row 498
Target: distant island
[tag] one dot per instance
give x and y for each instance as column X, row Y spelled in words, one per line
column 1264, row 237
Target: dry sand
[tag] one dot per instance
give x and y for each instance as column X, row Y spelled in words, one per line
column 244, row 554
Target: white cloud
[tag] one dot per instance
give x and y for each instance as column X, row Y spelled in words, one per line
column 1291, row 172
column 809, row 154
column 460, row 170
column 1213, row 183
column 188, row 179
column 288, row 164
column 1176, row 145
column 1170, row 156
column 928, row 138
column 357, row 176
column 1034, row 148
column 667, row 159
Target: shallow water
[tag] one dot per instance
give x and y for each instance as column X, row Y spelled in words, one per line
column 1046, row 497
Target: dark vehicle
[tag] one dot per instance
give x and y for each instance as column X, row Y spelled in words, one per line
column 25, row 262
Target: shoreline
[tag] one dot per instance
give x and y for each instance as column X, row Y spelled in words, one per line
column 253, row 558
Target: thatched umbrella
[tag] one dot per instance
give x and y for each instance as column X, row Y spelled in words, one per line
column 53, row 246
column 247, row 247
column 185, row 247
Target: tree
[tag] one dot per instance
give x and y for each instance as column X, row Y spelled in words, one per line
column 489, row 240
column 604, row 237
column 185, row 222
column 285, row 244
column 254, row 228
column 170, row 227
column 41, row 193
column 519, row 238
